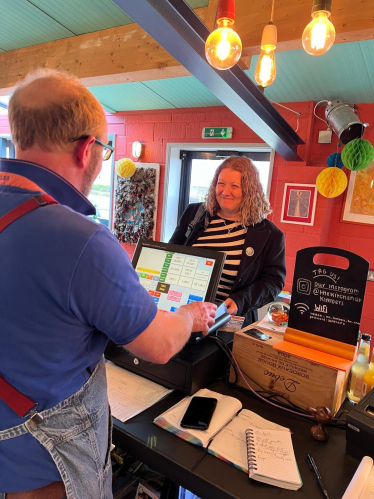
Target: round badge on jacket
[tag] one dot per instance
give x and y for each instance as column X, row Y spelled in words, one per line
column 249, row 251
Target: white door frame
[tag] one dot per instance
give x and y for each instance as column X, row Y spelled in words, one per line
column 173, row 174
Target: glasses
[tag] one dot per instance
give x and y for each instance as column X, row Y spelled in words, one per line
column 107, row 151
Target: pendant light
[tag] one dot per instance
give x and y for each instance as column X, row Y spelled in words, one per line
column 223, row 46
column 266, row 71
column 319, row 36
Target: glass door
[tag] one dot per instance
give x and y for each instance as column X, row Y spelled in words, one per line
column 198, row 169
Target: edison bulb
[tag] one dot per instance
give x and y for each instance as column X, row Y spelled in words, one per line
column 266, row 71
column 223, row 48
column 319, row 36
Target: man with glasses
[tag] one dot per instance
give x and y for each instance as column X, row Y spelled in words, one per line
column 66, row 287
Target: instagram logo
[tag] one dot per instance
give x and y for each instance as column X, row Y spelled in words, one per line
column 304, row 286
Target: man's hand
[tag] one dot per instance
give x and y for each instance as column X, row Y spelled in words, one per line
column 202, row 314
column 168, row 332
column 232, row 307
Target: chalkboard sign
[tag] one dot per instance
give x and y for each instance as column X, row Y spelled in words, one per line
column 327, row 301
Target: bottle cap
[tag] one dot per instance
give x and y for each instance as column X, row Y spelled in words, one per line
column 366, row 337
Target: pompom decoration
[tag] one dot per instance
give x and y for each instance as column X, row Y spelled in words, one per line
column 331, row 182
column 357, row 154
column 125, row 167
column 335, row 159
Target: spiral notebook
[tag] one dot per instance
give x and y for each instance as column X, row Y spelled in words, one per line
column 271, row 458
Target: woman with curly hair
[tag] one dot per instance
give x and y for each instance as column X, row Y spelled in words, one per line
column 233, row 220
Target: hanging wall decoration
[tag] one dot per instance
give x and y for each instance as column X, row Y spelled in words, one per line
column 125, row 168
column 335, row 159
column 357, row 154
column 331, row 182
column 136, row 204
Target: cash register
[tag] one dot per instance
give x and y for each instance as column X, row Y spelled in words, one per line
column 360, row 428
column 176, row 275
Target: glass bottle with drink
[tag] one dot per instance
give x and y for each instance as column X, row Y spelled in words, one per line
column 369, row 377
column 359, row 368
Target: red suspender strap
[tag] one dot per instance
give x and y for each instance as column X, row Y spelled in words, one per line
column 26, row 207
column 18, row 402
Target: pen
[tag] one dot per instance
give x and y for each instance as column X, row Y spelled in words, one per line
column 313, row 466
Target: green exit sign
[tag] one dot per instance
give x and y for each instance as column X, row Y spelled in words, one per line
column 217, row 133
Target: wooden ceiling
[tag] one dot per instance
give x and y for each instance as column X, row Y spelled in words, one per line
column 96, row 41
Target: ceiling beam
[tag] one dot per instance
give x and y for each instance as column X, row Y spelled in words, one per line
column 177, row 28
column 117, row 55
column 127, row 53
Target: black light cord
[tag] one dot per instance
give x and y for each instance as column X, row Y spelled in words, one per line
column 233, row 384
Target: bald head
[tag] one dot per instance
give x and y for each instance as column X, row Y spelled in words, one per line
column 49, row 108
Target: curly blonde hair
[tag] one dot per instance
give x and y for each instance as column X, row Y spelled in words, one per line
column 254, row 207
column 50, row 116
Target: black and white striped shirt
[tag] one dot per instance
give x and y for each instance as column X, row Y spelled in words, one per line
column 226, row 236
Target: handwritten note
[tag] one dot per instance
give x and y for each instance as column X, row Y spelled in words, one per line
column 271, row 458
column 231, row 441
column 130, row 394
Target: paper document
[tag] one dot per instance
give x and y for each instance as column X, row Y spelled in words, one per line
column 130, row 394
column 362, row 483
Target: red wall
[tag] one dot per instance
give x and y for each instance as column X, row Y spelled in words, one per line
column 157, row 128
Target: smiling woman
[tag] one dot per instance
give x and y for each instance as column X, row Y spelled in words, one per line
column 233, row 220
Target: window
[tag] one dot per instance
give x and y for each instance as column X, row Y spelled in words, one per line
column 198, row 169
column 4, row 101
column 102, row 189
column 6, row 148
column 185, row 184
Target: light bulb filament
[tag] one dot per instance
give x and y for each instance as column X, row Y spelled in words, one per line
column 318, row 36
column 223, row 47
column 266, row 66
column 266, row 70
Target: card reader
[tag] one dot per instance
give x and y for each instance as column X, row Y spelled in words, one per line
column 222, row 316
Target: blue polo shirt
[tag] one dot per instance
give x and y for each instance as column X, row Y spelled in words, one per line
column 66, row 286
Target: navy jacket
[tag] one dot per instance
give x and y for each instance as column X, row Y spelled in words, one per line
column 260, row 276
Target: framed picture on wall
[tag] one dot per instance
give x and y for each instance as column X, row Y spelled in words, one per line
column 358, row 205
column 135, row 204
column 299, row 204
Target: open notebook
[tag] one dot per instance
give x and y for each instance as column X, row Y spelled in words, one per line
column 271, row 458
column 225, row 437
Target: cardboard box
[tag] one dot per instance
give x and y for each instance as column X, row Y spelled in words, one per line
column 300, row 381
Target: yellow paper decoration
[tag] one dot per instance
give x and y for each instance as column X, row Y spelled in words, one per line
column 125, row 167
column 331, row 182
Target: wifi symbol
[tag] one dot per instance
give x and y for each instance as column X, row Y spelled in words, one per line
column 301, row 307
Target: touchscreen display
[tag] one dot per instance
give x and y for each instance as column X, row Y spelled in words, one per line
column 174, row 279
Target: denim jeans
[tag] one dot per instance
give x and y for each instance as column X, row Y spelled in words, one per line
column 77, row 433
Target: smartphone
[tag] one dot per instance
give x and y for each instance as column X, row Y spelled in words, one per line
column 199, row 413
column 259, row 335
